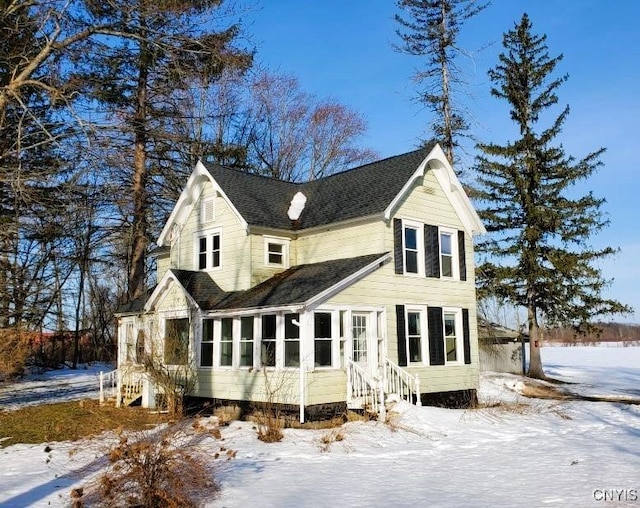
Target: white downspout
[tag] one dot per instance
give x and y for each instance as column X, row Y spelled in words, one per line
column 302, row 327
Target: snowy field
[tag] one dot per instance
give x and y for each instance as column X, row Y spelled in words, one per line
column 524, row 452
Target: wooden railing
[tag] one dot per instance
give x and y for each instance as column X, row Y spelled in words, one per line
column 399, row 381
column 108, row 385
column 124, row 387
column 366, row 389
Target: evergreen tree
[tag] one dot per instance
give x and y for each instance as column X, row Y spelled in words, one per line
column 538, row 255
column 431, row 31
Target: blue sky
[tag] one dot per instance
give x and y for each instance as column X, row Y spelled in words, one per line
column 343, row 49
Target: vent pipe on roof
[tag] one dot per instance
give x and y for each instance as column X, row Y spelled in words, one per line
column 297, row 205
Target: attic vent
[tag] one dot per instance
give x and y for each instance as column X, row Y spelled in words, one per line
column 297, row 205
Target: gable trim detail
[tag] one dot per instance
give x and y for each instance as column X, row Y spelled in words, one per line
column 437, row 162
column 188, row 199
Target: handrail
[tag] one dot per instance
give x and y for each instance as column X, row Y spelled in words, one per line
column 362, row 385
column 108, row 384
column 399, row 381
column 120, row 385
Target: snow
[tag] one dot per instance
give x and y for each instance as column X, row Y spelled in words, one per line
column 53, row 386
column 513, row 452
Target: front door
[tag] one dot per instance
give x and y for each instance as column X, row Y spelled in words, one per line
column 365, row 348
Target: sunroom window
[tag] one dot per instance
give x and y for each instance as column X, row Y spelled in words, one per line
column 268, row 342
column 246, row 342
column 291, row 340
column 226, row 342
column 206, row 346
column 176, row 341
column 322, row 339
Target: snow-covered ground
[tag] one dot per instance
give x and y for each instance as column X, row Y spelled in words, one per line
column 525, row 452
column 53, row 386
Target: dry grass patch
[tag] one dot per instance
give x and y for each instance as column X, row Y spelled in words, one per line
column 70, row 421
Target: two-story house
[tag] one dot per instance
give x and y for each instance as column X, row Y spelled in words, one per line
column 339, row 291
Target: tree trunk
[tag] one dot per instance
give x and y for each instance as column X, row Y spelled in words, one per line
column 535, row 341
column 446, row 99
column 139, row 187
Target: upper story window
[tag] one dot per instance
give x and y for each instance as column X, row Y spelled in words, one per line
column 207, row 210
column 276, row 252
column 425, row 250
column 449, row 266
column 412, row 247
column 208, row 249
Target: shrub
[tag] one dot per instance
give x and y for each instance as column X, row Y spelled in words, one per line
column 14, row 351
column 154, row 470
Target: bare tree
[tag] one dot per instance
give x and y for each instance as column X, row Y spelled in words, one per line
column 294, row 136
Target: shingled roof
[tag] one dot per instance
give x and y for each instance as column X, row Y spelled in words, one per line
column 298, row 284
column 359, row 192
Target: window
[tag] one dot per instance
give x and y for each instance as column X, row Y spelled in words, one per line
column 268, row 342
column 359, row 330
column 322, row 342
column 140, row 347
column 226, row 342
column 206, row 346
column 176, row 341
column 411, row 250
column 413, row 247
column 451, row 336
column 246, row 342
column 291, row 340
column 208, row 250
column 276, row 252
column 129, row 347
column 428, row 250
column 414, row 335
column 448, row 253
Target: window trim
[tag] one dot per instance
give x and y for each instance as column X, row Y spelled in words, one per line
column 334, row 316
column 419, row 228
column 208, row 235
column 188, row 343
column 455, row 255
column 211, row 342
column 275, row 240
column 421, row 310
column 231, row 341
column 457, row 312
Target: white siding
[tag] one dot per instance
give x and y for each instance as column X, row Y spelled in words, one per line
column 234, row 273
column 341, row 242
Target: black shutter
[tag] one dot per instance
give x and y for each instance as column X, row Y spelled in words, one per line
column 436, row 336
column 402, row 339
column 397, row 245
column 466, row 340
column 431, row 251
column 462, row 256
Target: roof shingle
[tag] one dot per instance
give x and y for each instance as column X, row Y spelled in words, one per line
column 358, row 192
